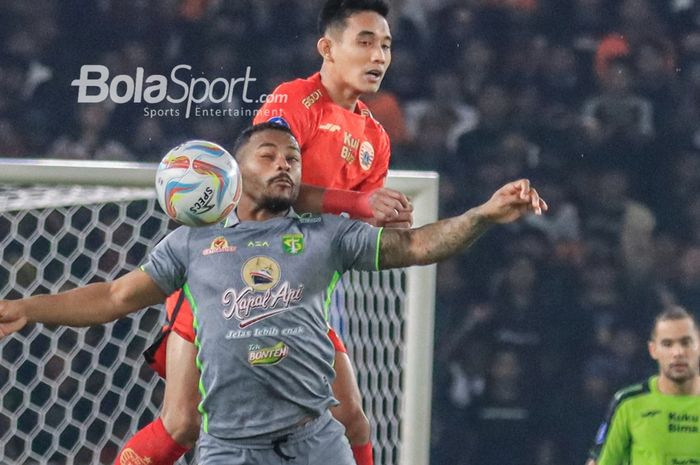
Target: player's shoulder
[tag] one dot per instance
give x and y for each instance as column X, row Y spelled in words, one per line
column 320, row 221
column 364, row 110
column 633, row 391
column 185, row 236
column 180, row 233
column 309, row 218
column 301, row 87
column 317, row 219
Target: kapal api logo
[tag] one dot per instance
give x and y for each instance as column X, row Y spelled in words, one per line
column 263, row 290
column 261, row 273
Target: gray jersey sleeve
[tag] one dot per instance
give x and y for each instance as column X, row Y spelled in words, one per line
column 167, row 262
column 357, row 244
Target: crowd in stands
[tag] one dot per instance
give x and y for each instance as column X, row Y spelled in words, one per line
column 596, row 101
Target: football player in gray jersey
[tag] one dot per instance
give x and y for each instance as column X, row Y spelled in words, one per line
column 263, row 353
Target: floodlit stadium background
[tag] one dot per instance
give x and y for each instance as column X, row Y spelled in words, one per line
column 597, row 101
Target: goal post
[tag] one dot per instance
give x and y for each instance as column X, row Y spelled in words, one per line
column 73, row 395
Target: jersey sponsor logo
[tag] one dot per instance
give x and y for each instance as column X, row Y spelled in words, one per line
column 258, row 244
column 673, row 416
column 309, row 218
column 267, row 355
column 262, row 276
column 350, row 141
column 312, row 98
column 682, row 423
column 683, row 460
column 350, row 145
column 366, row 155
column 241, row 304
column 293, row 244
column 330, row 127
column 278, row 120
column 219, row 245
column 265, row 331
column 261, row 273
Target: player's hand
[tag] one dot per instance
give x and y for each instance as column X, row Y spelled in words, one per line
column 390, row 208
column 12, row 318
column 511, row 202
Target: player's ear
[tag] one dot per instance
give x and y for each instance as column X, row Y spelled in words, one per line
column 652, row 350
column 324, row 46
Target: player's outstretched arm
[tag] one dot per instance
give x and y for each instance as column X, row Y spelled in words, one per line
column 440, row 240
column 86, row 306
column 383, row 207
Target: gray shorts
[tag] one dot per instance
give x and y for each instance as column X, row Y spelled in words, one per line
column 319, row 442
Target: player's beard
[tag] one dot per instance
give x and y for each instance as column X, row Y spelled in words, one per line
column 689, row 374
column 276, row 204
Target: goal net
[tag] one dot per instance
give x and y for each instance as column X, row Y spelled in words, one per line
column 74, row 396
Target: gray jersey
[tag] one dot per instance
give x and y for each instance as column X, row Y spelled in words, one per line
column 258, row 294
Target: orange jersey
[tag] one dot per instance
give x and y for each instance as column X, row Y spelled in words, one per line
column 340, row 149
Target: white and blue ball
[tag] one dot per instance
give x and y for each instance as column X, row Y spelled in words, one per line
column 198, row 183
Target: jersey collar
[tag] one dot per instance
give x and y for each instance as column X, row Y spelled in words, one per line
column 232, row 219
column 360, row 107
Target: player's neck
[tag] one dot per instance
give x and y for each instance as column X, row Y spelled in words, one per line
column 339, row 92
column 249, row 211
column 690, row 387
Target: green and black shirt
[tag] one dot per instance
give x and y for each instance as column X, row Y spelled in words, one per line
column 645, row 427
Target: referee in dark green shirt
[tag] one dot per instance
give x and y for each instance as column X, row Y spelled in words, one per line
column 657, row 422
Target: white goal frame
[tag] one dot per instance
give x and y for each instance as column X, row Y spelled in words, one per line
column 421, row 187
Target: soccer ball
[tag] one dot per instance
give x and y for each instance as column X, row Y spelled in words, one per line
column 198, row 183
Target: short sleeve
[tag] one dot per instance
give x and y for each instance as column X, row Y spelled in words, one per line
column 167, row 262
column 356, row 244
column 612, row 442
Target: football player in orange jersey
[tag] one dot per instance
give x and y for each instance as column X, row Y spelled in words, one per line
column 345, row 158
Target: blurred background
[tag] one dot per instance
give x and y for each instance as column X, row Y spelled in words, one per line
column 597, row 101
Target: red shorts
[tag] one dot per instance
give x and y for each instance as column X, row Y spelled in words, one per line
column 180, row 320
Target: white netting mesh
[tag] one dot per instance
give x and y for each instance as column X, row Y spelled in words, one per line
column 71, row 396
column 372, row 327
column 74, row 396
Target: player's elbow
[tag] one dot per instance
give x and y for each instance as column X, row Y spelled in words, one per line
column 120, row 301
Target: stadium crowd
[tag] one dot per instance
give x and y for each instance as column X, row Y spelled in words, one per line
column 597, row 101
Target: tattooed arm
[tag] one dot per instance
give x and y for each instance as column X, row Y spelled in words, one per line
column 440, row 240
